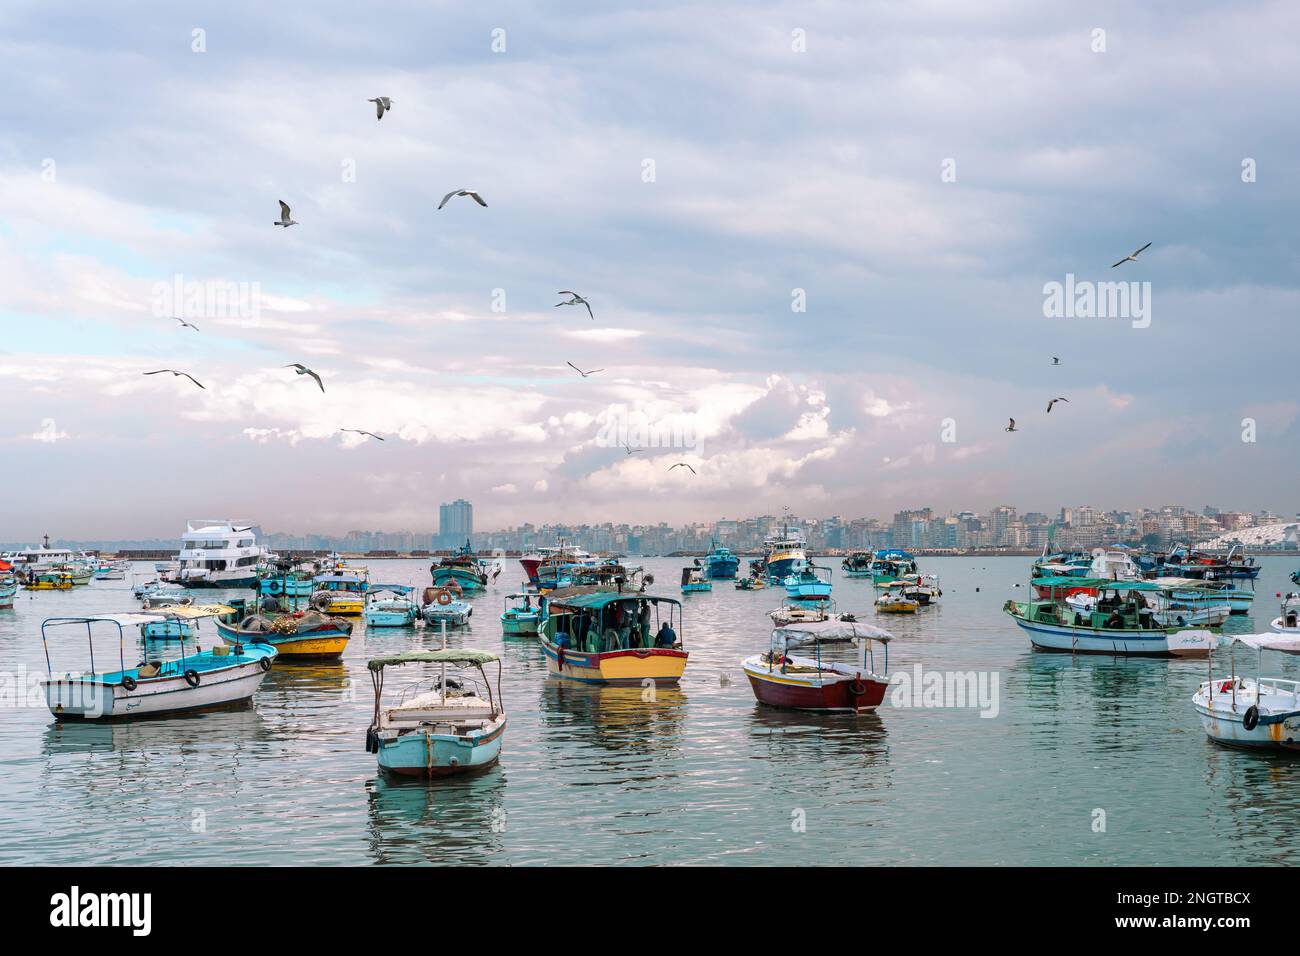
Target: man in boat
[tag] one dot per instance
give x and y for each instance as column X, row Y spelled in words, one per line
column 666, row 637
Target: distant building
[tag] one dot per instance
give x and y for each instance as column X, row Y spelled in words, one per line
column 455, row 522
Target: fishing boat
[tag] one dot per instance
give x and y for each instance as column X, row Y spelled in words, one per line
column 301, row 636
column 8, row 585
column 857, row 564
column 110, row 571
column 1186, row 562
column 1288, row 622
column 693, row 580
column 560, row 554
column 454, row 726
column 888, row 565
column 922, row 588
column 340, row 593
column 806, row 612
column 895, row 602
column 217, row 553
column 523, row 615
column 1120, row 625
column 784, row 554
column 1260, row 713
column 443, row 605
column 751, row 584
column 390, row 605
column 602, row 637
column 48, row 581
column 720, row 563
column 46, row 558
column 461, row 567
column 197, row 680
column 282, row 579
column 780, row 679
column 1113, row 564
column 1061, row 564
column 808, row 582
column 1166, row 609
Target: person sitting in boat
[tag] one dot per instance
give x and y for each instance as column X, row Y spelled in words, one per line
column 666, row 637
column 1116, row 620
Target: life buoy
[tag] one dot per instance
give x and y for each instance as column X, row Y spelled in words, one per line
column 444, row 597
column 192, row 678
column 856, row 687
column 128, row 682
column 265, row 663
column 1250, row 719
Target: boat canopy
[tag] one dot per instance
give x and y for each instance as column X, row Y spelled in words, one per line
column 1269, row 642
column 597, row 600
column 894, row 553
column 828, row 632
column 450, row 655
column 1102, row 583
column 394, row 588
column 193, row 611
column 123, row 619
column 348, row 578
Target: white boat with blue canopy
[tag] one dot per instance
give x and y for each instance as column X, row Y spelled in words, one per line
column 390, row 605
column 446, row 725
column 1261, row 713
column 180, row 623
column 197, row 680
column 524, row 615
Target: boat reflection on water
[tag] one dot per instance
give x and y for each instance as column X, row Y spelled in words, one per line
column 451, row 820
column 142, row 738
column 617, row 718
column 861, row 739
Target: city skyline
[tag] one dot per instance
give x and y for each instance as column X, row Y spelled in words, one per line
column 828, row 282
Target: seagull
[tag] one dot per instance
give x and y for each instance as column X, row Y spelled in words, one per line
column 358, row 431
column 285, row 219
column 1056, row 360
column 304, row 370
column 1011, row 427
column 463, row 192
column 631, row 450
column 682, row 464
column 176, row 372
column 1133, row 257
column 1053, row 402
column 184, row 324
column 381, row 103
column 576, row 300
column 581, row 372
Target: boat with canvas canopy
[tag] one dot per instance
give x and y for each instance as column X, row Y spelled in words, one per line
column 300, row 636
column 1259, row 713
column 341, row 593
column 444, row 606
column 815, row 683
column 390, row 605
column 180, row 623
column 603, row 637
column 523, row 615
column 456, row 725
column 48, row 581
column 894, row 601
column 857, row 564
column 195, row 681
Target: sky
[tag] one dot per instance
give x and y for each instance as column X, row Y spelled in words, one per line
column 816, row 239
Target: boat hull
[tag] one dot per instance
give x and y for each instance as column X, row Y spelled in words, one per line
column 428, row 754
column 520, row 625
column 843, row 694
column 318, row 644
column 1223, row 716
column 660, row 665
column 469, row 582
column 1147, row 643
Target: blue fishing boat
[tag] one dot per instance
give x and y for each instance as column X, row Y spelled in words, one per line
column 8, row 585
column 461, row 568
column 447, row 725
column 890, row 566
column 857, row 565
column 720, row 563
column 693, row 579
column 784, row 554
column 524, row 615
column 197, row 680
column 390, row 605
column 808, row 583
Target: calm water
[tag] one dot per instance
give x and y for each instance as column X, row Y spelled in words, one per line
column 701, row 775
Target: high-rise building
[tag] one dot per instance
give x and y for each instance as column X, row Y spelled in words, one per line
column 455, row 522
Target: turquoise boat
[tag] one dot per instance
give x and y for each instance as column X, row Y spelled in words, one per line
column 693, row 580
column 808, row 583
column 286, row 583
column 8, row 588
column 396, row 609
column 443, row 726
column 720, row 564
column 857, row 565
column 460, row 569
column 525, row 620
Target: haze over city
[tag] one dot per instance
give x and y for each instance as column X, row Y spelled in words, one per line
column 845, row 329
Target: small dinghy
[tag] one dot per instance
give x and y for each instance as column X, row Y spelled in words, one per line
column 197, row 680
column 441, row 606
column 1261, row 713
column 390, row 605
column 780, row 679
column 895, row 602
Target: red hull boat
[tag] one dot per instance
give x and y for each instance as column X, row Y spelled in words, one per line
column 811, row 683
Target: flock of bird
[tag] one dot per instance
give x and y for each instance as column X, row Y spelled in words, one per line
column 1056, row 359
column 384, row 104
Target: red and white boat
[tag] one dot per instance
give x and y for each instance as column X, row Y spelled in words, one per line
column 563, row 553
column 780, row 679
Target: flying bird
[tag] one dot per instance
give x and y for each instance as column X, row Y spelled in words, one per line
column 1011, row 427
column 581, row 372
column 463, row 192
column 1056, row 360
column 304, row 370
column 176, row 372
column 184, row 324
column 1133, row 257
column 631, row 450
column 682, row 464
column 285, row 220
column 381, row 103
column 576, row 300
column 358, row 431
column 1053, row 402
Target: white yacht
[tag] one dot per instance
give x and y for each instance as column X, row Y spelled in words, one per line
column 1113, row 565
column 44, row 558
column 218, row 553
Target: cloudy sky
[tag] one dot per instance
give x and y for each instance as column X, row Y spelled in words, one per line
column 815, row 237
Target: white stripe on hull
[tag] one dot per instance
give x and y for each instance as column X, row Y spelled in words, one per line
column 91, row 700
